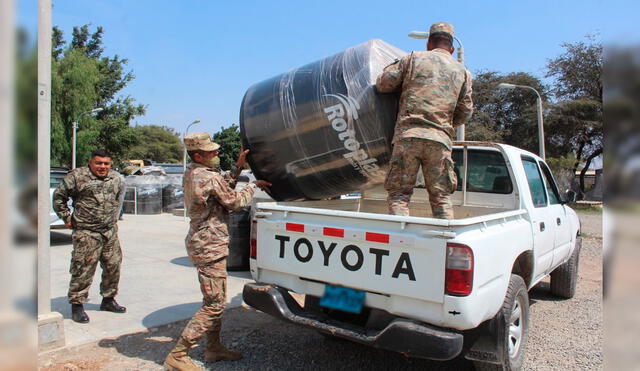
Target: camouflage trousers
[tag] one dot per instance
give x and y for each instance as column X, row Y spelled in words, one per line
column 439, row 176
column 89, row 248
column 208, row 318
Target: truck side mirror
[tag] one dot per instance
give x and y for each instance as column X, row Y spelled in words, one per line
column 569, row 196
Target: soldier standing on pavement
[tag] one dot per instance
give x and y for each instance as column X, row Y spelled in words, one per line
column 209, row 197
column 97, row 193
column 435, row 98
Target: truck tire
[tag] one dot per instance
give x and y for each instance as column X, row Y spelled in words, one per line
column 565, row 277
column 511, row 327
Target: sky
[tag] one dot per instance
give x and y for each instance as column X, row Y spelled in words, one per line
column 195, row 59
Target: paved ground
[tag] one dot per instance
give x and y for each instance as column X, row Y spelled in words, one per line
column 564, row 334
column 158, row 284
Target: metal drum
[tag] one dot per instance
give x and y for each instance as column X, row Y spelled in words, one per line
column 321, row 130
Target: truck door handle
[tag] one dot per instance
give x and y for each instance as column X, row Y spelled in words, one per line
column 541, row 226
column 558, row 221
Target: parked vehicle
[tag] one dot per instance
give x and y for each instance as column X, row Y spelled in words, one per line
column 425, row 287
column 56, row 175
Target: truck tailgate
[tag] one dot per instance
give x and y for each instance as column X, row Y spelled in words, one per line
column 377, row 257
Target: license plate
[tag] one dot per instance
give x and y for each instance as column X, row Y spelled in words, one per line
column 342, row 298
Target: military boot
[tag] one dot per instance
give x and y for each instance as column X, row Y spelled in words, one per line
column 216, row 351
column 78, row 314
column 110, row 305
column 178, row 359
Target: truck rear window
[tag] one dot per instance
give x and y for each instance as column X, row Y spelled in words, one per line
column 487, row 170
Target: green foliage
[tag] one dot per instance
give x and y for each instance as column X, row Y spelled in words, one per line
column 26, row 103
column 156, row 143
column 505, row 116
column 73, row 79
column 83, row 79
column 558, row 164
column 576, row 123
column 574, row 126
column 230, row 143
column 578, row 71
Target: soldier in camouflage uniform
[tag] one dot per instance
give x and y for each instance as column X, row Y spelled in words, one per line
column 97, row 193
column 209, row 197
column 436, row 97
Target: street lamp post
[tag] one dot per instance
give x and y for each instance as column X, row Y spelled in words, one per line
column 75, row 125
column 506, row 86
column 184, row 160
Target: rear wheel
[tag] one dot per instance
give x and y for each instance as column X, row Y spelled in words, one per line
column 564, row 278
column 511, row 325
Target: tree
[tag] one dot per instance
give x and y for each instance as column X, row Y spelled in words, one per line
column 26, row 106
column 230, row 143
column 507, row 117
column 576, row 122
column 156, row 143
column 578, row 71
column 84, row 79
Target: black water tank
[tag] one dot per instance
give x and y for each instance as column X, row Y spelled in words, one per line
column 239, row 237
column 172, row 193
column 321, row 130
column 143, row 194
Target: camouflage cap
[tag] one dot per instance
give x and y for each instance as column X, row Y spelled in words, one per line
column 441, row 27
column 200, row 142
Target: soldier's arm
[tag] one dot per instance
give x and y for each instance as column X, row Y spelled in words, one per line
column 390, row 80
column 229, row 198
column 464, row 107
column 61, row 195
column 231, row 177
column 121, row 192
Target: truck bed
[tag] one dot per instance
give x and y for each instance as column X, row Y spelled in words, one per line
column 374, row 201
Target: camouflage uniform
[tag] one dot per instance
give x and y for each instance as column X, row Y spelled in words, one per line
column 209, row 196
column 436, row 97
column 96, row 206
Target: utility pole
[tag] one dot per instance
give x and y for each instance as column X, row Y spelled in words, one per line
column 50, row 325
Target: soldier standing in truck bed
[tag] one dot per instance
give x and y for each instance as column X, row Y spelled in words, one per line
column 435, row 98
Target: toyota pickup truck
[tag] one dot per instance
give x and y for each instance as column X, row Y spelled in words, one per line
column 425, row 287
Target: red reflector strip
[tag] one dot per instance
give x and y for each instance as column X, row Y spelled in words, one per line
column 333, row 232
column 295, row 227
column 377, row 237
column 253, row 249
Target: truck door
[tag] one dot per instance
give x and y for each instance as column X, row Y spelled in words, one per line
column 542, row 219
column 562, row 239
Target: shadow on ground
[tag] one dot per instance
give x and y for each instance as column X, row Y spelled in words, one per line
column 169, row 314
column 183, row 260
column 265, row 340
column 152, row 345
column 542, row 292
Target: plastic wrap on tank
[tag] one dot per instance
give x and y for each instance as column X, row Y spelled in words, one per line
column 321, row 130
column 172, row 193
column 143, row 194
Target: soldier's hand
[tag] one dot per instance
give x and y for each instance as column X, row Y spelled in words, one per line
column 263, row 185
column 68, row 225
column 242, row 158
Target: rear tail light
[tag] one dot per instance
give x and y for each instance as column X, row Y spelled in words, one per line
column 459, row 273
column 253, row 242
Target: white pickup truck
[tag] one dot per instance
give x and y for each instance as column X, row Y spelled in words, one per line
column 425, row 287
